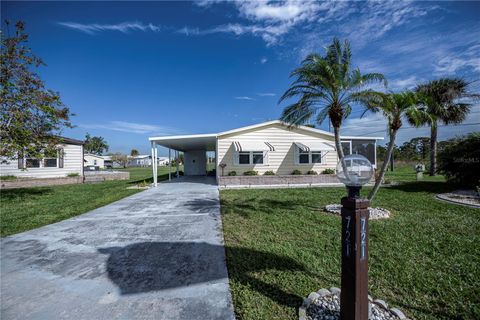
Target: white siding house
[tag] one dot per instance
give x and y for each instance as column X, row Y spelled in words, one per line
column 269, row 146
column 93, row 160
column 69, row 160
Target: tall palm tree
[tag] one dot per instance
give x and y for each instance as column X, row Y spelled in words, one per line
column 327, row 86
column 394, row 107
column 445, row 101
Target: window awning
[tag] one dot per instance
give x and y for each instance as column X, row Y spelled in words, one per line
column 253, row 146
column 314, row 146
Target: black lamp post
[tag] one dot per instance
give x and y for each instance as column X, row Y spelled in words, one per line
column 354, row 171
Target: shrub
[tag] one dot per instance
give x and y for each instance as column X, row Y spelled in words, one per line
column 232, row 173
column 73, row 174
column 328, row 171
column 269, row 173
column 250, row 173
column 296, row 172
column 459, row 160
column 6, row 178
column 312, row 172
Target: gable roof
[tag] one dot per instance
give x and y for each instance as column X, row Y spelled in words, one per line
column 66, row 140
column 305, row 128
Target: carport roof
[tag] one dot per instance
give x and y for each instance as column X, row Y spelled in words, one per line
column 187, row 142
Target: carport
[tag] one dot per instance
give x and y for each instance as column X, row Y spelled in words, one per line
column 194, row 148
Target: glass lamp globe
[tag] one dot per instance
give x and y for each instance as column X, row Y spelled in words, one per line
column 354, row 170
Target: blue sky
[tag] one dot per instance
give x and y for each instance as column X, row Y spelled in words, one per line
column 133, row 70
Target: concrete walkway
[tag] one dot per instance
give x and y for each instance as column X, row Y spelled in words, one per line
column 158, row 254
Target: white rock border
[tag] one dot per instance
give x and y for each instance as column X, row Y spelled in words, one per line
column 302, row 311
column 467, row 198
column 374, row 213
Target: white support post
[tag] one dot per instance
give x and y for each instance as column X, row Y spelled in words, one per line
column 154, row 163
column 169, row 164
column 177, row 153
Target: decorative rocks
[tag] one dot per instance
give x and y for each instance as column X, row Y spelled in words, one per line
column 325, row 305
column 469, row 198
column 375, row 213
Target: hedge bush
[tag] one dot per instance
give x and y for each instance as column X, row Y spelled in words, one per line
column 269, row 173
column 312, row 172
column 459, row 160
column 328, row 171
column 250, row 173
column 296, row 172
column 232, row 173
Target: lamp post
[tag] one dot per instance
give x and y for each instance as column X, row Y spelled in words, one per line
column 354, row 171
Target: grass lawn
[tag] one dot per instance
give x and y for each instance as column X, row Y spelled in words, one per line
column 28, row 208
column 281, row 246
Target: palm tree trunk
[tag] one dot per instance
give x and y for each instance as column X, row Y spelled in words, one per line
column 433, row 148
column 338, row 145
column 388, row 155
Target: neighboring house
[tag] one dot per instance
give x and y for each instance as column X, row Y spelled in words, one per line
column 102, row 162
column 142, row 160
column 162, row 161
column 145, row 161
column 269, row 146
column 67, row 160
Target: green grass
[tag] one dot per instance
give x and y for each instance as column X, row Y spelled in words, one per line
column 281, row 246
column 28, row 208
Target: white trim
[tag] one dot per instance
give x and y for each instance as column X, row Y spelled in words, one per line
column 187, row 136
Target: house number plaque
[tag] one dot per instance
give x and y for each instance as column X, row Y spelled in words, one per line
column 354, row 293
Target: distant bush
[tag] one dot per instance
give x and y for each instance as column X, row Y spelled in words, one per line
column 312, row 172
column 459, row 160
column 269, row 173
column 296, row 172
column 328, row 171
column 73, row 174
column 232, row 173
column 250, row 173
column 6, row 178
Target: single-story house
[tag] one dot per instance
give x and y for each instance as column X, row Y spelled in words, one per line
column 145, row 161
column 269, row 146
column 68, row 160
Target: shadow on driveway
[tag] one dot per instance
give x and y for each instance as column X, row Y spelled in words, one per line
column 153, row 266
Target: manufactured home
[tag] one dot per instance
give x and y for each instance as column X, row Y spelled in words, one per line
column 68, row 160
column 270, row 146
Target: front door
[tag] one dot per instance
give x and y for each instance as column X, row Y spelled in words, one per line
column 195, row 163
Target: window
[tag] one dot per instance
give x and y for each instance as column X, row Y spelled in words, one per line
column 244, row 157
column 32, row 163
column 50, row 159
column 308, row 157
column 50, row 163
column 316, row 157
column 251, row 157
column 365, row 148
column 257, row 157
column 303, row 157
column 347, row 147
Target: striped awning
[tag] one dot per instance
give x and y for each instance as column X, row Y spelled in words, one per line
column 252, row 146
column 314, row 146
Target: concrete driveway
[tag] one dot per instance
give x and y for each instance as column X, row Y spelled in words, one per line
column 158, row 254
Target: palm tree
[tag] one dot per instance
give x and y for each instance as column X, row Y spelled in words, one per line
column 394, row 107
column 445, row 101
column 327, row 86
